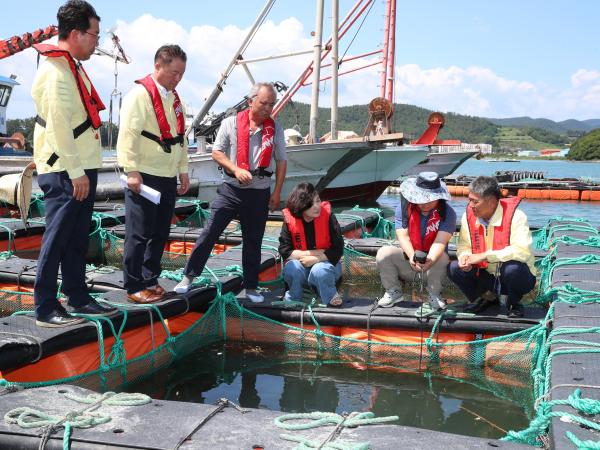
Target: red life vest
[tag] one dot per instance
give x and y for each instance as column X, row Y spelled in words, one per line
column 243, row 143
column 91, row 101
column 414, row 228
column 296, row 227
column 166, row 139
column 501, row 233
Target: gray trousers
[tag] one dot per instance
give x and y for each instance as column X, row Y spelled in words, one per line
column 393, row 267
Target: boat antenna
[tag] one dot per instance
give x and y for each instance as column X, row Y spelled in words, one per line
column 118, row 56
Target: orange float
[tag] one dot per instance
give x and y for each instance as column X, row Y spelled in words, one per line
column 564, row 194
column 592, row 196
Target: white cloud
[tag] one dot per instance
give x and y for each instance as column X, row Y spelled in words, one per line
column 470, row 90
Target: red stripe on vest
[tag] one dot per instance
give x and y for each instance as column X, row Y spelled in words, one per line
column 414, row 228
column 501, row 233
column 91, row 102
column 243, row 141
column 161, row 117
column 296, row 227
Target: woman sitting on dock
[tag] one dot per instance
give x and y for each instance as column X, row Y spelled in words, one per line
column 312, row 245
column 424, row 226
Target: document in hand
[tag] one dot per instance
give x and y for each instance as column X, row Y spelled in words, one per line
column 147, row 192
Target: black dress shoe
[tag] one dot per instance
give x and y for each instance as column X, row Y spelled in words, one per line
column 479, row 305
column 93, row 308
column 515, row 311
column 58, row 319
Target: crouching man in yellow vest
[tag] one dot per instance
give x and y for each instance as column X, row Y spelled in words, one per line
column 494, row 249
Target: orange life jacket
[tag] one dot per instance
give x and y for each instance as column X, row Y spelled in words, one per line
column 166, row 139
column 414, row 228
column 243, row 143
column 321, row 223
column 91, row 100
column 501, row 233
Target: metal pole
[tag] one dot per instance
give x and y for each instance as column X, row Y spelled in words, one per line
column 314, row 103
column 392, row 51
column 386, row 40
column 250, row 77
column 302, row 78
column 219, row 86
column 335, row 6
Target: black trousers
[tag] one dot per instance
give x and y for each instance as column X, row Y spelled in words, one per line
column 252, row 208
column 515, row 281
column 147, row 227
column 65, row 242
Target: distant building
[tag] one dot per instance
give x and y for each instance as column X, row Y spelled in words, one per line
column 552, row 152
column 528, row 153
column 484, row 149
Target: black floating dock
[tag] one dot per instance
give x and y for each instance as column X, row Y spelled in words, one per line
column 22, row 342
column 573, row 370
column 161, row 425
column 362, row 313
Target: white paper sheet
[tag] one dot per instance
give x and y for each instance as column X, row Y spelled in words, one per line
column 147, row 192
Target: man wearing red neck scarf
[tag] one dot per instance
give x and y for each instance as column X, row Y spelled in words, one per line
column 250, row 148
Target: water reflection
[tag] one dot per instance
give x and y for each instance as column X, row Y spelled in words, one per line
column 461, row 401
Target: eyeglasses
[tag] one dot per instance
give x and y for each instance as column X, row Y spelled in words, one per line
column 96, row 36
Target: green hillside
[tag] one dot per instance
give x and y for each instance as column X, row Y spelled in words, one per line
column 587, row 147
column 408, row 119
column 569, row 127
column 412, row 121
column 513, row 138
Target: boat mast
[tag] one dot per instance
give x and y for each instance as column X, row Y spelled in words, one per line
column 386, row 41
column 391, row 54
column 314, row 103
column 343, row 28
column 335, row 6
column 212, row 98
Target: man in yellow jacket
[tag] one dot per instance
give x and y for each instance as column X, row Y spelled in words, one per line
column 152, row 150
column 67, row 155
column 494, row 249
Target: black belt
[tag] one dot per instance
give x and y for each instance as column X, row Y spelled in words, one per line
column 77, row 131
column 165, row 143
column 261, row 172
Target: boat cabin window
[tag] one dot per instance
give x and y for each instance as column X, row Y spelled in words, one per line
column 4, row 94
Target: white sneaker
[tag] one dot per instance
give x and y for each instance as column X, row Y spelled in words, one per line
column 254, row 296
column 184, row 285
column 390, row 298
column 288, row 298
column 437, row 303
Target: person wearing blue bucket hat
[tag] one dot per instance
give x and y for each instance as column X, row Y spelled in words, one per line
column 424, row 225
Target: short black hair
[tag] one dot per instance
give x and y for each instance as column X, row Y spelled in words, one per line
column 75, row 15
column 301, row 198
column 485, row 187
column 167, row 53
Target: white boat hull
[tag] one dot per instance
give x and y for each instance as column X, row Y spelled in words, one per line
column 367, row 178
column 442, row 163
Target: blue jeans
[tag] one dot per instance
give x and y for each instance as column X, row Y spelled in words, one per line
column 322, row 276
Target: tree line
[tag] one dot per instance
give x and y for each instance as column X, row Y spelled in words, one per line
column 409, row 119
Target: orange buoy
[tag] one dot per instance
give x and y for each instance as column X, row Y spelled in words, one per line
column 564, row 194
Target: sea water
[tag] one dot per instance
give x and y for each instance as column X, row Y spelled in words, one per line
column 539, row 212
column 256, row 376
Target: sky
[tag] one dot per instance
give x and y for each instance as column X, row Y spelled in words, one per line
column 483, row 58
